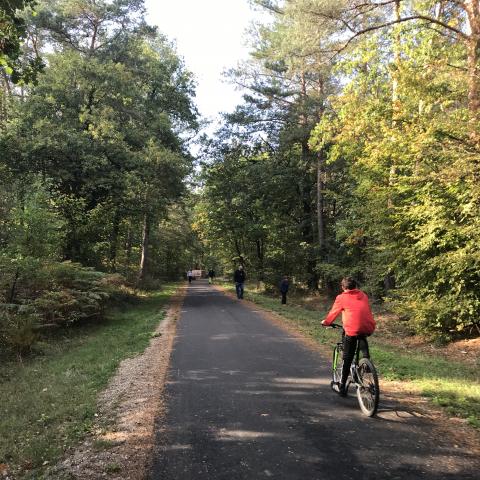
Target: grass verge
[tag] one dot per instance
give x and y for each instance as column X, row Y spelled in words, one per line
column 449, row 384
column 48, row 402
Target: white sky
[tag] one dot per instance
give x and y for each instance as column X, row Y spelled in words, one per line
column 210, row 37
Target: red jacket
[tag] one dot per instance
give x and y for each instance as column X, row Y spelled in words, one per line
column 357, row 317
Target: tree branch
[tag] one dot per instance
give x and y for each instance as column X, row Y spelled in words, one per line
column 402, row 20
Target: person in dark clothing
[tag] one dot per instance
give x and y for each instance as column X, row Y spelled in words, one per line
column 239, row 279
column 211, row 275
column 284, row 289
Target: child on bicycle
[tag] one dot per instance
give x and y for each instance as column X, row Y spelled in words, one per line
column 358, row 323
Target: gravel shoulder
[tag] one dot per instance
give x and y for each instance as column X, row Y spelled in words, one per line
column 123, row 439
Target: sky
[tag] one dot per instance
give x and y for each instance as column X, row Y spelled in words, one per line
column 210, row 36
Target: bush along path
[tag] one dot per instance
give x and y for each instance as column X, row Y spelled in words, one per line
column 50, row 402
column 424, row 376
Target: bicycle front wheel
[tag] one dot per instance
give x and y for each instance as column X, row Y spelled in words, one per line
column 368, row 391
column 337, row 363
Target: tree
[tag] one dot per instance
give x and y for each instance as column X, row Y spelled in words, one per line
column 102, row 128
column 458, row 21
column 289, row 87
column 16, row 64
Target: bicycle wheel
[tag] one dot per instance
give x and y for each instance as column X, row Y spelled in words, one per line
column 368, row 391
column 337, row 363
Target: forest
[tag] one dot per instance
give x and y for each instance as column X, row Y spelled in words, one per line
column 355, row 151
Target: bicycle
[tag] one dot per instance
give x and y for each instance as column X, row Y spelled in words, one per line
column 363, row 375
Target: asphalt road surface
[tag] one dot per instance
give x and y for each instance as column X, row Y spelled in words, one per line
column 245, row 400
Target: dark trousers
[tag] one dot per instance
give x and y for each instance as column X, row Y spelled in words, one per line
column 239, row 289
column 284, row 298
column 349, row 348
column 189, row 279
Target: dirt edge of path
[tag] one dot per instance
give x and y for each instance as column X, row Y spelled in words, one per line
column 402, row 398
column 129, row 407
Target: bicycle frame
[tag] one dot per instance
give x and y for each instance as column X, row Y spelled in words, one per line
column 368, row 392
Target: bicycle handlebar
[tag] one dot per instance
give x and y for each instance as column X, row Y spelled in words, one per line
column 333, row 325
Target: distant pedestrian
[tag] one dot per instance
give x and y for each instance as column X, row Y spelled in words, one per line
column 239, row 279
column 211, row 275
column 284, row 284
column 190, row 276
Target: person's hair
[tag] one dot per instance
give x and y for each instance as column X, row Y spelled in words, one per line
column 349, row 283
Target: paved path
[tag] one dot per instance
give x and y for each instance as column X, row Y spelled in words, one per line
column 247, row 401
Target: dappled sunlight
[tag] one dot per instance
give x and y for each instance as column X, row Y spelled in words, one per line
column 178, row 447
column 282, row 339
column 261, row 336
column 198, row 375
column 254, row 392
column 232, row 372
column 308, row 383
column 293, row 393
column 224, row 434
column 223, row 336
column 114, row 437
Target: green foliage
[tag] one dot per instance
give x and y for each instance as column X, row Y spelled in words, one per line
column 375, row 152
column 39, row 294
column 36, row 225
column 19, row 65
column 17, row 330
column 412, row 188
column 92, row 155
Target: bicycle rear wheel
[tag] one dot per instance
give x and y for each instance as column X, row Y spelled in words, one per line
column 368, row 391
column 337, row 363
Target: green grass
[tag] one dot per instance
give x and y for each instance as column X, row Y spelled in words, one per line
column 48, row 402
column 449, row 384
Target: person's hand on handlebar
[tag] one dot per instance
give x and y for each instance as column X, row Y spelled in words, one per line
column 330, row 325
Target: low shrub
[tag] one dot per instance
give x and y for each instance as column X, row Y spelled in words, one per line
column 46, row 293
column 18, row 331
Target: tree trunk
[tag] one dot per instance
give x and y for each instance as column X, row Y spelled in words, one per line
column 145, row 251
column 5, row 94
column 320, row 201
column 396, row 65
column 307, row 225
column 396, row 105
column 128, row 249
column 472, row 8
column 473, row 55
column 114, row 240
column 260, row 256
